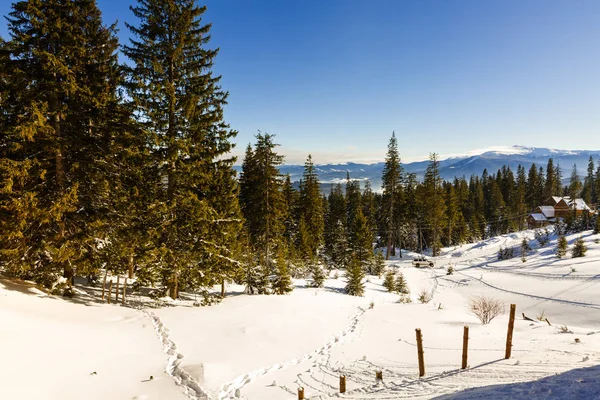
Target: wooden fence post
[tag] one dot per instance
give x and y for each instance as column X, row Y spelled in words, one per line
column 109, row 291
column 465, row 347
column 511, row 326
column 104, row 284
column 124, row 290
column 300, row 393
column 117, row 291
column 379, row 375
column 420, row 352
column 343, row 384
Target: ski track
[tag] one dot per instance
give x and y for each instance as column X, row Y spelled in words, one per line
column 192, row 389
column 569, row 302
column 232, row 390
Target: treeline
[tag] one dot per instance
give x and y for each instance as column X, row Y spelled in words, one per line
column 332, row 230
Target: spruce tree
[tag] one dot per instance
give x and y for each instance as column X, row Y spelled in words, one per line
column 579, row 249
column 597, row 225
column 574, row 184
column 524, row 249
column 588, row 189
column 354, row 278
column 261, row 198
column 362, row 240
column 389, row 282
column 282, row 284
column 318, row 275
column 561, row 248
column 401, row 286
column 61, row 139
column 180, row 103
column 391, row 183
column 336, row 237
column 433, row 202
column 311, row 210
column 378, row 264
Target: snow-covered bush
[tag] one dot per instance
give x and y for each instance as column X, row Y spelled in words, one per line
column 404, row 299
column 425, row 296
column 506, row 253
column 542, row 236
column 486, row 308
column 560, row 228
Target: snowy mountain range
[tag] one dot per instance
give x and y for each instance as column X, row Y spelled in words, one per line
column 471, row 163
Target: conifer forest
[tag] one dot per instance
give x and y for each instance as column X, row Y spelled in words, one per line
column 107, row 165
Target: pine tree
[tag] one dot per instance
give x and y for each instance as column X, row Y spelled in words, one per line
column 588, row 188
column 282, row 283
column 335, row 228
column 597, row 225
column 311, row 210
column 354, row 278
column 180, row 104
column 61, row 139
column 378, row 264
column 389, row 281
column 401, row 285
column 262, row 199
column 579, row 249
column 550, row 185
column 520, row 198
column 524, row 249
column 362, row 240
column 561, row 249
column 392, row 196
column 433, row 202
column 575, row 184
column 318, row 275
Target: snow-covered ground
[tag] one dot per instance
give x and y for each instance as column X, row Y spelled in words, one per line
column 266, row 347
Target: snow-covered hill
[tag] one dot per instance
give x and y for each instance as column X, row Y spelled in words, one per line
column 471, row 163
column 265, row 347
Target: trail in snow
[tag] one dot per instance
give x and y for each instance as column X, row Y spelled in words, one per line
column 569, row 302
column 192, row 389
column 232, row 390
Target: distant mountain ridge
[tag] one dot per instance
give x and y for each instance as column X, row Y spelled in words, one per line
column 472, row 163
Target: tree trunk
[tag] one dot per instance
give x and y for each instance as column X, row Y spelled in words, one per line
column 130, row 273
column 174, row 287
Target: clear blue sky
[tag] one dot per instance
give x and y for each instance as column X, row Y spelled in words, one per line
column 334, row 78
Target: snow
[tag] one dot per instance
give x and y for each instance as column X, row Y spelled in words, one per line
column 266, row 347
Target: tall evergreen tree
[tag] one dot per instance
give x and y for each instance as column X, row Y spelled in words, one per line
column 362, row 240
column 551, row 181
column 336, row 238
column 262, row 201
column 61, row 139
column 588, row 188
column 311, row 210
column 433, row 202
column 392, row 196
column 180, row 103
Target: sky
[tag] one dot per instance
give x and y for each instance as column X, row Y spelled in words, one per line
column 335, row 78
